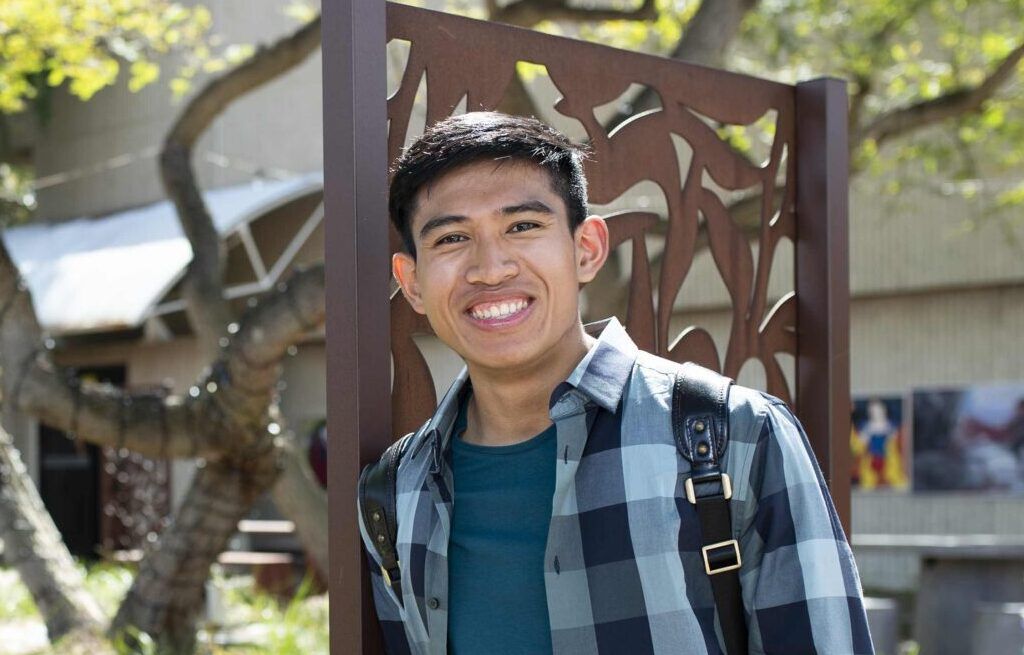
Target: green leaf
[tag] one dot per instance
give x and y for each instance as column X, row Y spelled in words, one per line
column 994, row 116
column 995, row 45
column 180, row 86
column 143, row 72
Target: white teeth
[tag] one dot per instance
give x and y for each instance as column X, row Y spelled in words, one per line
column 499, row 310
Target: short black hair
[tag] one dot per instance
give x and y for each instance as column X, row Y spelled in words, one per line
column 476, row 136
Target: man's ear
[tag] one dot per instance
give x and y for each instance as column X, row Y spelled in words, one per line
column 403, row 267
column 591, row 248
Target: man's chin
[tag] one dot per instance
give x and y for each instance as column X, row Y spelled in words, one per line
column 499, row 359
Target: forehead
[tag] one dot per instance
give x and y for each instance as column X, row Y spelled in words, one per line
column 485, row 186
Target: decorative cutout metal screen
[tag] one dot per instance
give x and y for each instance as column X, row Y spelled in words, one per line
column 470, row 64
column 796, row 188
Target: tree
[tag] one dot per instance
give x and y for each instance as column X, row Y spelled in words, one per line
column 231, row 419
column 937, row 99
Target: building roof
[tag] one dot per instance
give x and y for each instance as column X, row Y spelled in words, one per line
column 109, row 272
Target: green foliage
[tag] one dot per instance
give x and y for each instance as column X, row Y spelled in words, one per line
column 15, row 602
column 659, row 35
column 86, row 43
column 910, row 50
column 85, row 46
column 108, row 583
column 898, row 55
column 294, row 627
column 133, row 641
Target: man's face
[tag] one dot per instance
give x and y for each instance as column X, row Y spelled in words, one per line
column 497, row 269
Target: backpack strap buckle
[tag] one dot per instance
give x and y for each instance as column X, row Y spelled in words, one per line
column 721, row 557
column 714, row 476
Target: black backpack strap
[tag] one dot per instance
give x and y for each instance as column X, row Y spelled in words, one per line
column 378, row 502
column 700, row 424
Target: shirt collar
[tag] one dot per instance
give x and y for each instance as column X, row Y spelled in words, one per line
column 603, row 372
column 601, row 376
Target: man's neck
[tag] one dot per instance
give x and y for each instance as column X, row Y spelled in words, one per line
column 509, row 406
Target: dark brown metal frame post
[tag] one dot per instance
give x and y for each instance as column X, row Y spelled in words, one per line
column 822, row 280
column 358, row 318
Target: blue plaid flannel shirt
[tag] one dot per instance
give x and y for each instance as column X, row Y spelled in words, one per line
column 623, row 570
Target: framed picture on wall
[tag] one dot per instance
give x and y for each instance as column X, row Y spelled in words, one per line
column 969, row 439
column 878, row 443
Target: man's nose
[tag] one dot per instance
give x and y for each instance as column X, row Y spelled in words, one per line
column 492, row 263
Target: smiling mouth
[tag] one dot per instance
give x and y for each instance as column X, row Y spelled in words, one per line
column 500, row 310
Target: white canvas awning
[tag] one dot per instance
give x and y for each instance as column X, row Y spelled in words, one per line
column 108, row 273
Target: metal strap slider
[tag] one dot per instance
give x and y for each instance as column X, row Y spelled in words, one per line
column 726, row 556
column 691, row 495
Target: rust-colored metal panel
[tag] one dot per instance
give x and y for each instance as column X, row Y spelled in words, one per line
column 823, row 281
column 357, row 250
column 796, row 188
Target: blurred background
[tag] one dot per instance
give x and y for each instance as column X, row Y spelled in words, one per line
column 100, row 99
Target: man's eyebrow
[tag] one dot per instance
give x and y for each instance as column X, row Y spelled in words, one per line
column 439, row 222
column 528, row 206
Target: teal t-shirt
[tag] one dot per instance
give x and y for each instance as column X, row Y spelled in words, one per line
column 502, row 507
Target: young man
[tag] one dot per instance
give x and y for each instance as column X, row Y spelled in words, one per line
column 542, row 508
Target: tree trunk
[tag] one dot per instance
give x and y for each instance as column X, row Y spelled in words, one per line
column 166, row 596
column 33, row 546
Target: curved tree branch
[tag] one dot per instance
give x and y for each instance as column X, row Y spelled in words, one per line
column 863, row 87
column 229, row 404
column 704, row 41
column 207, row 309
column 242, row 379
column 905, row 120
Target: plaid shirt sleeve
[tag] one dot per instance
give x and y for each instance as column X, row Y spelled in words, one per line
column 803, row 592
column 388, row 612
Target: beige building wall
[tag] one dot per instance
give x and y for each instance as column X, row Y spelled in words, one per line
column 922, row 247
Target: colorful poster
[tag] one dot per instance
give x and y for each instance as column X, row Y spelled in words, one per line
column 878, row 442
column 969, row 439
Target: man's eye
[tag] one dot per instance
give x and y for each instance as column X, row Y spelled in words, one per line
column 524, row 226
column 451, row 238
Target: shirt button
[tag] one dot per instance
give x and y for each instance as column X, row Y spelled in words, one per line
column 433, row 603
